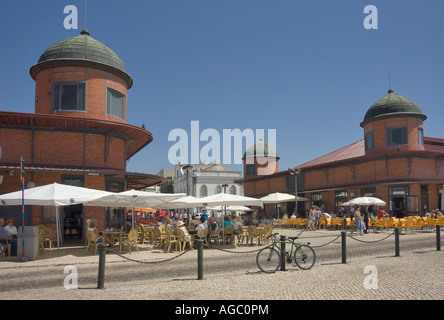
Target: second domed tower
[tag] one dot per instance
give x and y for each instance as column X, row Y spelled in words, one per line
column 393, row 123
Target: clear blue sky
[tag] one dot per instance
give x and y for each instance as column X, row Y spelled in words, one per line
column 308, row 69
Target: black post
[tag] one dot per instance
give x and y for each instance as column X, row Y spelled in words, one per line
column 396, row 242
column 344, row 247
column 283, row 258
column 200, row 259
column 102, row 255
column 438, row 237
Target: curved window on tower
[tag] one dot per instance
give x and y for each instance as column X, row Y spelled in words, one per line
column 397, row 136
column 68, row 96
column 115, row 104
column 369, row 138
column 420, row 136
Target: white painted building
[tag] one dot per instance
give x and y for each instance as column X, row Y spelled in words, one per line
column 206, row 179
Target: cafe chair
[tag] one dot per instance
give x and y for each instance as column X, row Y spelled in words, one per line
column 241, row 234
column 93, row 241
column 253, row 233
column 47, row 238
column 130, row 240
column 170, row 239
column 183, row 239
column 229, row 234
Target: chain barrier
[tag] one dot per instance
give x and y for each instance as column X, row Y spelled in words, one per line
column 229, row 251
column 363, row 241
column 147, row 262
column 323, row 245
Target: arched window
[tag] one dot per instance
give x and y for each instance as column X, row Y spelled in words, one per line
column 203, row 191
column 218, row 189
column 232, row 190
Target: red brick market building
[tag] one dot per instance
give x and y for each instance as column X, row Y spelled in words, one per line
column 78, row 134
column 394, row 162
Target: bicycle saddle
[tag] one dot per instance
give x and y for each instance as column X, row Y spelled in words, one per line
column 293, row 238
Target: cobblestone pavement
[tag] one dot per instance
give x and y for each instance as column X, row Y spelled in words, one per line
column 372, row 272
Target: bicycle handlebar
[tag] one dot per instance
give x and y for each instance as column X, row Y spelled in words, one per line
column 275, row 234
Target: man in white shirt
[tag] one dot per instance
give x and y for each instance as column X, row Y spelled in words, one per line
column 201, row 226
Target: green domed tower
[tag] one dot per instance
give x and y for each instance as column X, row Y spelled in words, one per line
column 260, row 159
column 393, row 123
column 81, row 76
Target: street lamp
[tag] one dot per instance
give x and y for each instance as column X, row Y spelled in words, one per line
column 187, row 168
column 295, row 172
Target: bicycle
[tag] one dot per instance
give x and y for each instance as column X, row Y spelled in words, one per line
column 268, row 259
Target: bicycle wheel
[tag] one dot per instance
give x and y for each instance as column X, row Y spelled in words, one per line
column 304, row 257
column 268, row 259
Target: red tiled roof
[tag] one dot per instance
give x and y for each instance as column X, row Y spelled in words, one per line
column 357, row 149
column 434, row 144
column 353, row 150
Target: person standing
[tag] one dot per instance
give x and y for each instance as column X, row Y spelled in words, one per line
column 366, row 216
column 358, row 221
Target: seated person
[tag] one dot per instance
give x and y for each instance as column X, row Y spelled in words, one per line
column 227, row 221
column 237, row 224
column 170, row 224
column 181, row 226
column 5, row 236
column 10, row 228
column 213, row 227
column 100, row 235
column 200, row 227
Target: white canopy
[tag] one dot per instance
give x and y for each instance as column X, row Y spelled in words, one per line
column 230, row 208
column 135, row 198
column 183, row 202
column 365, row 201
column 225, row 199
column 279, row 197
column 54, row 194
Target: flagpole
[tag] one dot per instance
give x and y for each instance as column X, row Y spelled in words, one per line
column 22, row 176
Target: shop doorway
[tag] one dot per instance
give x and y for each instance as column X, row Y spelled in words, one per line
column 399, row 206
column 72, row 224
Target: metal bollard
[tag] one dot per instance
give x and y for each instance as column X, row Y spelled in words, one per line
column 396, row 242
column 102, row 255
column 283, row 258
column 344, row 247
column 438, row 237
column 200, row 244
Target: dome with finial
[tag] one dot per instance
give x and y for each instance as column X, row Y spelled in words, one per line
column 260, row 149
column 82, row 50
column 393, row 104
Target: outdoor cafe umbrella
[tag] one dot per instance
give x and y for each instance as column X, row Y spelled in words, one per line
column 135, row 198
column 226, row 199
column 368, row 201
column 279, row 197
column 183, row 202
column 54, row 194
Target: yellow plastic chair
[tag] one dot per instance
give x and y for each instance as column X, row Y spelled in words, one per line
column 130, row 240
column 268, row 230
column 253, row 233
column 203, row 235
column 170, row 240
column 47, row 238
column 159, row 236
column 183, row 239
column 240, row 235
column 229, row 234
column 93, row 241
